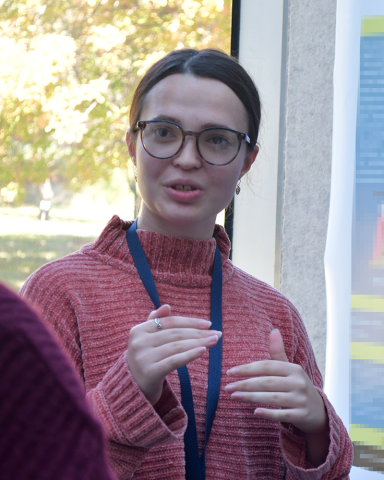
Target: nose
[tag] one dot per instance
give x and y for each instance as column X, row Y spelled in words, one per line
column 188, row 157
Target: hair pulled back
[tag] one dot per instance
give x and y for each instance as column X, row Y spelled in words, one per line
column 206, row 63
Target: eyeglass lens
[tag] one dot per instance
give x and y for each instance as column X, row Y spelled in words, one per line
column 217, row 146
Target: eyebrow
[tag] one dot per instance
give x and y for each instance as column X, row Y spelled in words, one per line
column 177, row 121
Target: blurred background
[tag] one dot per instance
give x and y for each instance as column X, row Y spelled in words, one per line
column 67, row 73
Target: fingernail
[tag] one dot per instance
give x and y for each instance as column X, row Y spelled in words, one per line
column 213, row 339
column 201, row 350
column 236, row 396
column 274, row 330
column 230, row 386
column 233, row 371
column 205, row 323
column 216, row 332
column 259, row 412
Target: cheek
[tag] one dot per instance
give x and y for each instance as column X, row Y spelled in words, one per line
column 145, row 177
column 145, row 165
column 231, row 174
column 225, row 184
column 149, row 174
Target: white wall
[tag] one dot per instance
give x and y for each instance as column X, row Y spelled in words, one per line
column 255, row 207
column 280, row 226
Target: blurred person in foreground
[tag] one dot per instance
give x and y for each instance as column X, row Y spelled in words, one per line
column 47, row 431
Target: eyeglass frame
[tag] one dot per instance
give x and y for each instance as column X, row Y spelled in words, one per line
column 141, row 124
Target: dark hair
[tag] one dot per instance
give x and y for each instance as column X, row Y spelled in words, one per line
column 207, row 63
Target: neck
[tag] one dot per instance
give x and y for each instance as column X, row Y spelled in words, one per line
column 200, row 231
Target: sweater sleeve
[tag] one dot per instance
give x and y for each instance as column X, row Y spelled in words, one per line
column 339, row 459
column 132, row 425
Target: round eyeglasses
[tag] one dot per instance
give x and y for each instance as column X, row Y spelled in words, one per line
column 216, row 145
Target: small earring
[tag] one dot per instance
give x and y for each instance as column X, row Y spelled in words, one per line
column 238, row 187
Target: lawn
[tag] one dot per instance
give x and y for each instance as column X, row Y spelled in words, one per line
column 27, row 243
column 21, row 255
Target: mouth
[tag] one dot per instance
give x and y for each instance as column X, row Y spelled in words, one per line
column 183, row 188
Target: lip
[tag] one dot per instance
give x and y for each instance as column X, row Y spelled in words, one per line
column 183, row 196
column 182, row 181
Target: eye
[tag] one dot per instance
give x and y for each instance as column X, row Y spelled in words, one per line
column 162, row 132
column 219, row 140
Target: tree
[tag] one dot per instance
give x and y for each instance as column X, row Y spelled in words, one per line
column 68, row 71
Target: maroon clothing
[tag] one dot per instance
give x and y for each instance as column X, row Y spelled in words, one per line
column 47, row 431
column 93, row 298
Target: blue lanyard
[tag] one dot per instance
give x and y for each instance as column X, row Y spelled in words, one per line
column 195, row 465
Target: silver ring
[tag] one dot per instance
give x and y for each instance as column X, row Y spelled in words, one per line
column 158, row 324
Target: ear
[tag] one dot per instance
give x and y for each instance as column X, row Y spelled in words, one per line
column 248, row 161
column 131, row 146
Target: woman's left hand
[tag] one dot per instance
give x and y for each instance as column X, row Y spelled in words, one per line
column 278, row 383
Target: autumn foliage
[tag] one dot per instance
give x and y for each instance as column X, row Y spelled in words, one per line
column 68, row 69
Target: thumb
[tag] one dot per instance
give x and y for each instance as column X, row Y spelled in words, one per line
column 163, row 311
column 276, row 346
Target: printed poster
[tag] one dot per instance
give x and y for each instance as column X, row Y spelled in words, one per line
column 354, row 258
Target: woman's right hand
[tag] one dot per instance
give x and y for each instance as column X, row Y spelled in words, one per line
column 153, row 354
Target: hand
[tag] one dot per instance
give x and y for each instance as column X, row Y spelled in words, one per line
column 278, row 383
column 153, row 354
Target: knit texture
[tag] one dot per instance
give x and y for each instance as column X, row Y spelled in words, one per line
column 46, row 428
column 93, row 298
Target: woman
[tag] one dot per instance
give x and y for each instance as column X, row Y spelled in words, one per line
column 257, row 395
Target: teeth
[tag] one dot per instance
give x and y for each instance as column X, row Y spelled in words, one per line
column 183, row 188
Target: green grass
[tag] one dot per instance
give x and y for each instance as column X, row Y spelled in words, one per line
column 22, row 254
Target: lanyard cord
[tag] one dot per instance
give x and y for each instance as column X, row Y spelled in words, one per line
column 195, row 465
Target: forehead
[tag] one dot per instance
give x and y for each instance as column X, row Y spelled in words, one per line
column 194, row 102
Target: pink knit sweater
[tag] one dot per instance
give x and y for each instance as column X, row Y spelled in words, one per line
column 93, row 298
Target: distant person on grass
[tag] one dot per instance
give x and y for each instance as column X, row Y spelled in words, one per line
column 134, row 307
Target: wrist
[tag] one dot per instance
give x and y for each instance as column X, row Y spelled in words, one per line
column 152, row 394
column 320, row 433
column 319, row 426
column 317, row 446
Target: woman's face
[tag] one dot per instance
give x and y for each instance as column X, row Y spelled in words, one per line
column 193, row 103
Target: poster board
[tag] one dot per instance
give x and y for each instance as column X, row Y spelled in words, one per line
column 354, row 258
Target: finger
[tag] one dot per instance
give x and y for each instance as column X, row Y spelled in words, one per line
column 274, row 399
column 289, row 415
column 175, row 348
column 171, row 322
column 170, row 364
column 177, row 334
column 163, row 311
column 276, row 346
column 261, row 368
column 260, row 384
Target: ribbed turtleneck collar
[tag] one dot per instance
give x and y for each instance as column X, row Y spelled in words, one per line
column 179, row 261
